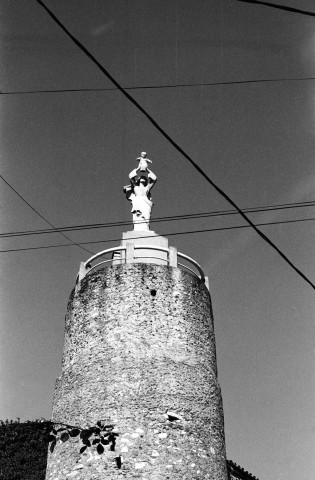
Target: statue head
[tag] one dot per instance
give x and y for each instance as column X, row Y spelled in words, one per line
column 143, row 154
column 143, row 180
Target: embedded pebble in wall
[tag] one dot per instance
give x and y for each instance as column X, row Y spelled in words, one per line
column 115, row 359
column 126, row 441
column 162, row 435
column 72, row 474
column 139, row 465
column 90, row 459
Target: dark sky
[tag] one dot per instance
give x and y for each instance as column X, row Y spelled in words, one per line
column 69, row 154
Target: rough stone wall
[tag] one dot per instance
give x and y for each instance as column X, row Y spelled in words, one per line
column 140, row 354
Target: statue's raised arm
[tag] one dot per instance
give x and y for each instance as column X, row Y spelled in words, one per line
column 152, row 178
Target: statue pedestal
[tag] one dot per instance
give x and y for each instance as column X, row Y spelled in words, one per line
column 145, row 255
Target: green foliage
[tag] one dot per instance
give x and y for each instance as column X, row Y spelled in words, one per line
column 99, row 434
column 23, row 446
column 23, row 449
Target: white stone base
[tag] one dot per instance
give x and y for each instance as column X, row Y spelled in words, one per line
column 143, row 255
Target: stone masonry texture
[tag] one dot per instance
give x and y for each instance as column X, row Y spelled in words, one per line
column 139, row 354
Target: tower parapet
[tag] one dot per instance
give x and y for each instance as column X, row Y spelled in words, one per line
column 142, row 249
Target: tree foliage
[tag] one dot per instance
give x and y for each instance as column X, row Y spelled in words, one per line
column 97, row 435
column 23, row 445
column 23, row 449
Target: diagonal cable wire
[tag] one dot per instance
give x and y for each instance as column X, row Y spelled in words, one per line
column 41, row 216
column 187, row 232
column 279, row 7
column 169, row 138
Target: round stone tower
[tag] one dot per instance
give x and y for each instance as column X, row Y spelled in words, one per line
column 138, row 395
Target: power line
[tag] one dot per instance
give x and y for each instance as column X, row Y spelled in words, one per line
column 220, row 229
column 40, row 215
column 159, row 87
column 192, row 216
column 279, row 7
column 169, row 138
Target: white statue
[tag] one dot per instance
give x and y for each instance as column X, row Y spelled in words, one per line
column 138, row 192
column 143, row 162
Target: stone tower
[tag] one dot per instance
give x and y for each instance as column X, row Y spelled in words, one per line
column 139, row 372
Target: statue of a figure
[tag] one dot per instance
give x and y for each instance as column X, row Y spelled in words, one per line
column 138, row 192
column 143, row 162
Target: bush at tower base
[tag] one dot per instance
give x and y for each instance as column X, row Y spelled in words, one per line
column 23, row 449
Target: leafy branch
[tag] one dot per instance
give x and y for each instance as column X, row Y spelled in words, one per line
column 99, row 435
